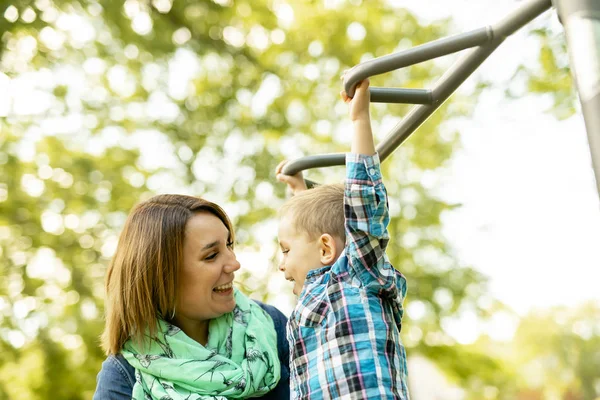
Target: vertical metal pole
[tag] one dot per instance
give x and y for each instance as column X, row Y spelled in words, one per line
column 581, row 19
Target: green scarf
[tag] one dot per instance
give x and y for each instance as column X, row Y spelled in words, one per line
column 240, row 359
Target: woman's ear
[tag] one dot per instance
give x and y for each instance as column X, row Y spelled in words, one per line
column 328, row 249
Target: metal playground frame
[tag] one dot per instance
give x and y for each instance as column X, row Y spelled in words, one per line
column 581, row 20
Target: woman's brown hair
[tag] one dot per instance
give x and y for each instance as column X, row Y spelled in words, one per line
column 142, row 278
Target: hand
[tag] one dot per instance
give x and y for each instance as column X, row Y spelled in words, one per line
column 295, row 182
column 359, row 104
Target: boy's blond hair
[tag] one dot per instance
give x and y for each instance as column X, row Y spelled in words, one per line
column 317, row 211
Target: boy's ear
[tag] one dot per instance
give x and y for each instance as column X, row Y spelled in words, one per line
column 328, row 249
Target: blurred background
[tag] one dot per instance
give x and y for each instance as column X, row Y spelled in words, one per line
column 495, row 217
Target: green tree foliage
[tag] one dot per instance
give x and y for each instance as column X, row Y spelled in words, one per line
column 228, row 89
column 554, row 77
column 554, row 354
column 562, row 352
column 552, row 74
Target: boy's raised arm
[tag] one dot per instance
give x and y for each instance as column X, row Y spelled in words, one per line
column 362, row 139
column 365, row 201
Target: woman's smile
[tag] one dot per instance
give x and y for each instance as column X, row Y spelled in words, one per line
column 226, row 289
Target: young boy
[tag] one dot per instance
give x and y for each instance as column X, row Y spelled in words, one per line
column 344, row 333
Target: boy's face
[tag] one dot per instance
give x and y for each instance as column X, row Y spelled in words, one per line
column 299, row 253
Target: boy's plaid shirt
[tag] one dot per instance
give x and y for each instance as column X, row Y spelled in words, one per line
column 344, row 333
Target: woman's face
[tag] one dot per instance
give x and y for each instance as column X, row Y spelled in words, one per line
column 205, row 282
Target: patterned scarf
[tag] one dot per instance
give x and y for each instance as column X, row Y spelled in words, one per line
column 240, row 359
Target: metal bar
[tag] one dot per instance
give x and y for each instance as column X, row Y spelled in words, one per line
column 581, row 19
column 316, row 161
column 460, row 71
column 424, row 52
column 520, row 17
column 405, row 96
column 445, row 86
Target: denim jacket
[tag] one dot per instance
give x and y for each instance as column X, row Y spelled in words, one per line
column 116, row 378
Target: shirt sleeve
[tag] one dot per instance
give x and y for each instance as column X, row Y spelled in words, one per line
column 115, row 380
column 367, row 219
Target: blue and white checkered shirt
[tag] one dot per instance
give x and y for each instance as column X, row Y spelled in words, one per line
column 344, row 333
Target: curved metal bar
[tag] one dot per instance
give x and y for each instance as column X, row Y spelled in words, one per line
column 321, row 160
column 424, row 52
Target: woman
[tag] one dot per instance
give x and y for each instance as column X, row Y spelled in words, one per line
column 175, row 326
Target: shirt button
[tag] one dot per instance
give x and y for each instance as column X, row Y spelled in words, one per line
column 372, row 171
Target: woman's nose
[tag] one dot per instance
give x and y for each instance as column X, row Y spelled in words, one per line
column 281, row 266
column 233, row 265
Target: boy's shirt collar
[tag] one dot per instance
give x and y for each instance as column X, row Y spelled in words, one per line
column 315, row 273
